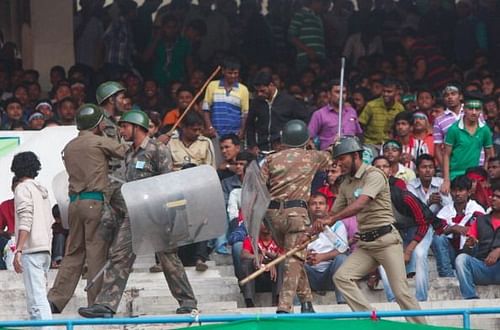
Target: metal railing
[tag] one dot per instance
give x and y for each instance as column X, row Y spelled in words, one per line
column 465, row 313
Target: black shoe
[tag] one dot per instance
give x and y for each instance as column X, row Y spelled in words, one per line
column 185, row 310
column 249, row 303
column 96, row 311
column 307, row 307
column 53, row 308
column 282, row 312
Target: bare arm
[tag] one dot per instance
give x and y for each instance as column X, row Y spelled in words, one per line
column 445, row 187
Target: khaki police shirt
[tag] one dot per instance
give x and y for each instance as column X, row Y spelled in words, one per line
column 86, row 159
column 371, row 182
column 289, row 173
column 200, row 152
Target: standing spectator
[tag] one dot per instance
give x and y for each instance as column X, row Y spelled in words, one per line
column 152, row 98
column 458, row 216
column 33, row 234
column 226, row 102
column 422, row 134
column 464, row 142
column 392, row 150
column 269, row 111
column 482, row 267
column 365, row 43
column 491, row 111
column 306, row 33
column 429, row 65
column 359, row 98
column 425, row 100
column 119, row 41
column 88, row 32
column 324, row 122
column 57, row 74
column 378, row 115
column 326, row 254
column 7, row 222
column 170, row 53
column 452, row 97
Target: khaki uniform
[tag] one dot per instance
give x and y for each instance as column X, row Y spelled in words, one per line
column 289, row 174
column 86, row 159
column 151, row 158
column 199, row 152
column 386, row 250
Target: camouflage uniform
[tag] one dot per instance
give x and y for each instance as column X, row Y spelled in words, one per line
column 152, row 158
column 289, row 174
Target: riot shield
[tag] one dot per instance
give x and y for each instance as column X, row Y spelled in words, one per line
column 255, row 199
column 175, row 209
column 60, row 187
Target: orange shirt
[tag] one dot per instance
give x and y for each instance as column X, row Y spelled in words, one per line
column 171, row 117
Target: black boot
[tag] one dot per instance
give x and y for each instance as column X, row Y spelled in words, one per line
column 53, row 308
column 307, row 307
column 96, row 311
column 185, row 310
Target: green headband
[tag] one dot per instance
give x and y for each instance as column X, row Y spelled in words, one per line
column 473, row 104
column 392, row 144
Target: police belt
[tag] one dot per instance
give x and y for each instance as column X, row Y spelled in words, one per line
column 372, row 235
column 277, row 204
column 93, row 195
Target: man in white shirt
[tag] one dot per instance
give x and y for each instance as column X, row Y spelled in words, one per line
column 327, row 253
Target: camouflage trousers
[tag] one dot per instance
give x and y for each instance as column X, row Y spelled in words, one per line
column 121, row 260
column 287, row 227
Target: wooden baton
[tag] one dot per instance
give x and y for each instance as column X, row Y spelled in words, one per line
column 276, row 261
column 195, row 98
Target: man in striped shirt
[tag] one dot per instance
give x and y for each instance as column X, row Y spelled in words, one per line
column 226, row 103
column 306, row 33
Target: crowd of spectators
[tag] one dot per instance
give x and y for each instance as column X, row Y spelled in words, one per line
column 421, row 88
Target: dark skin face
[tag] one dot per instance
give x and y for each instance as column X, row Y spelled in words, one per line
column 389, row 94
column 494, row 170
column 191, row 133
column 318, row 207
column 392, row 154
column 460, row 196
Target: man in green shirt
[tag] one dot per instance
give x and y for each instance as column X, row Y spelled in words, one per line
column 378, row 115
column 464, row 142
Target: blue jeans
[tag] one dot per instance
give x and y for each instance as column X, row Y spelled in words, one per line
column 445, row 255
column 35, row 268
column 418, row 264
column 322, row 281
column 472, row 271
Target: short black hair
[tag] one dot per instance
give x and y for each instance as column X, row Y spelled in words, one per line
column 199, row 26
column 319, row 194
column 69, row 99
column 461, row 182
column 423, row 157
column 494, row 159
column 191, row 119
column 425, row 90
column 389, row 81
column 378, row 158
column 245, row 155
column 262, row 78
column 184, row 88
column 231, row 63
column 404, row 116
column 59, row 69
column 233, row 137
column 56, row 213
column 11, row 100
column 25, row 164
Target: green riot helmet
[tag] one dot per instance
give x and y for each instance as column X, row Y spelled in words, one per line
column 135, row 117
column 295, row 133
column 107, row 89
column 346, row 145
column 88, row 116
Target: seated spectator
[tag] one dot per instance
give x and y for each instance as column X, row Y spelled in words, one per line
column 66, row 111
column 154, row 124
column 45, row 107
column 327, row 253
column 392, row 151
column 458, row 217
column 184, row 95
column 422, row 134
column 481, row 191
column 36, row 121
column 494, row 171
column 7, row 221
column 273, row 279
column 13, row 112
column 414, row 227
column 230, row 147
column 59, row 235
column 482, row 266
column 151, row 98
column 79, row 92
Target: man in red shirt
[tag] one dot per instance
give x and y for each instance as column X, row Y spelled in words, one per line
column 6, row 222
column 482, row 268
column 268, row 251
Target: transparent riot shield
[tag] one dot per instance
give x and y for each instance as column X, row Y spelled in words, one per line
column 255, row 199
column 60, row 187
column 175, row 209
